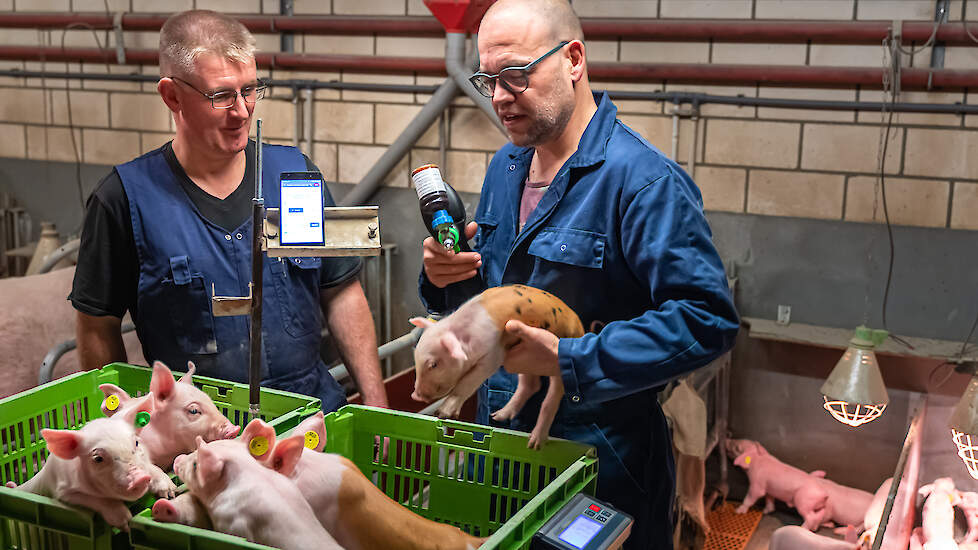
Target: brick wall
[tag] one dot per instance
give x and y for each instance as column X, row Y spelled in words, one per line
column 767, row 161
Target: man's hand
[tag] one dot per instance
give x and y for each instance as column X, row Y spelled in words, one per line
column 535, row 353
column 444, row 267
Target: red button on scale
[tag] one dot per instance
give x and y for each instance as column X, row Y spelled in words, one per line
column 595, row 507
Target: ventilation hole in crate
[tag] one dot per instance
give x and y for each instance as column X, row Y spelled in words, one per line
column 551, row 474
column 6, row 473
column 425, row 494
column 514, row 506
column 527, row 473
column 495, row 472
column 427, row 460
column 504, row 474
column 375, row 478
column 492, row 506
column 21, row 441
column 409, row 449
column 442, row 461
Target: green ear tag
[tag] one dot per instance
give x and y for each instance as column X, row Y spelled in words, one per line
column 142, row 418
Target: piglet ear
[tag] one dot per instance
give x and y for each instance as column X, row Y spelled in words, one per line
column 162, row 382
column 210, row 467
column 421, row 322
column 188, row 378
column 64, row 444
column 259, row 437
column 116, row 399
column 144, row 404
column 286, row 454
column 313, row 429
column 453, row 347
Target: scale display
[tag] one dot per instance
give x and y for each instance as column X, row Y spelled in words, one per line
column 584, row 523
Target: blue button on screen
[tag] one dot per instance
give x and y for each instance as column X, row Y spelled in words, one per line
column 295, row 209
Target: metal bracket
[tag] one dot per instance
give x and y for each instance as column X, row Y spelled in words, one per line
column 230, row 306
column 350, row 231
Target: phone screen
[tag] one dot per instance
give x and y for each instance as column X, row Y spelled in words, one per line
column 301, row 208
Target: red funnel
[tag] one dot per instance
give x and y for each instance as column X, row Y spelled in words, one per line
column 459, row 15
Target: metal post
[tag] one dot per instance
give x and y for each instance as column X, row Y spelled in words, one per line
column 308, row 104
column 257, row 265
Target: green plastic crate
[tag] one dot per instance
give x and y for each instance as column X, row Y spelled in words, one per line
column 32, row 522
column 481, row 479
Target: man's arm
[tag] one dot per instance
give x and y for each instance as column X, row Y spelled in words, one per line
column 351, row 324
column 99, row 340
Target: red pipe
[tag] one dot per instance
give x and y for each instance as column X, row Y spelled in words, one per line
column 831, row 32
column 774, row 75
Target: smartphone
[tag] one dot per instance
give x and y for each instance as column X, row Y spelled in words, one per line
column 301, row 209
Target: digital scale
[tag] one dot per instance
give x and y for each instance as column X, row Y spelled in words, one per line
column 584, row 523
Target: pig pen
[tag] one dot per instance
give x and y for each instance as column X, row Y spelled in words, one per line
column 775, row 400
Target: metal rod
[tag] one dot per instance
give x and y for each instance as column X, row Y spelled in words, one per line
column 55, row 354
column 390, row 348
column 908, row 442
column 257, row 284
column 307, row 114
column 461, row 69
column 63, row 251
column 388, row 364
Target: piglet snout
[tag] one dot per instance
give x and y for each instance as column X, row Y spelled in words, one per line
column 230, row 431
column 138, row 481
column 418, row 397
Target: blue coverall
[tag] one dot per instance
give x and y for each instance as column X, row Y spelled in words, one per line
column 620, row 236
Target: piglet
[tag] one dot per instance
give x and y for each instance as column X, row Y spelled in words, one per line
column 874, row 513
column 455, row 355
column 969, row 505
column 100, row 466
column 938, row 514
column 846, row 505
column 772, row 479
column 185, row 509
column 793, row 537
column 352, row 509
column 182, row 412
column 245, row 499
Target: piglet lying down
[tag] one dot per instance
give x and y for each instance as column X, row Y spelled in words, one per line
column 100, row 467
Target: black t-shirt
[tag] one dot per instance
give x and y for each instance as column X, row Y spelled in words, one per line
column 107, row 275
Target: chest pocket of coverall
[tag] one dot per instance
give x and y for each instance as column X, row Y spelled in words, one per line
column 190, row 308
column 297, row 290
column 573, row 247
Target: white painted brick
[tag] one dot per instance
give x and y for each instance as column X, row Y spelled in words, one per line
column 472, row 129
column 278, row 119
column 324, row 155
column 383, row 97
column 766, row 54
column 52, row 143
column 848, row 148
column 149, row 141
column 89, row 109
column 99, row 5
column 961, row 57
column 23, row 37
column 11, row 80
column 941, row 153
column 391, row 120
column 807, row 9
column 14, row 142
column 835, row 55
column 964, row 211
column 52, row 67
column 44, row 5
column 230, row 6
column 601, row 50
column 404, row 46
column 140, row 112
column 921, row 203
column 711, row 9
column 752, row 143
column 633, row 106
column 798, row 194
column 927, row 119
column 722, row 188
column 888, row 10
column 153, row 6
column 417, row 7
column 344, row 122
column 100, row 68
column 616, row 8
column 346, row 45
column 356, row 160
column 109, row 146
column 21, row 105
column 369, row 7
column 315, row 7
column 665, row 52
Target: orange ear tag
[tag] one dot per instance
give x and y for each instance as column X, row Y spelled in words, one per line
column 747, row 460
column 111, row 402
column 258, row 446
column 312, row 439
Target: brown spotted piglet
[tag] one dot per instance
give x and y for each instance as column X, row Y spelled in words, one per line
column 455, row 355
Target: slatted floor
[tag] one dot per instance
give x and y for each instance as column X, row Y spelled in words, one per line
column 730, row 530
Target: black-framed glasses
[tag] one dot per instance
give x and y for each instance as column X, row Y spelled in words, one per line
column 225, row 99
column 515, row 79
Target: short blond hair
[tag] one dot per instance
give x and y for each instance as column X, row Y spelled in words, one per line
column 187, row 35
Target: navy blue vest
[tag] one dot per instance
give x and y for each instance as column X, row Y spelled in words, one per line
column 182, row 256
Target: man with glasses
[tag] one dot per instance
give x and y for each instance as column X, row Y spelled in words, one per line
column 583, row 207
column 168, row 230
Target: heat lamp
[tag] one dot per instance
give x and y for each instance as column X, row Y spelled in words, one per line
column 854, row 392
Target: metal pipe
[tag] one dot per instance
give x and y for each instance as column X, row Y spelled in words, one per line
column 911, row 78
column 297, row 116
column 461, row 70
column 675, row 132
column 674, row 97
column 307, row 114
column 691, row 161
column 406, row 341
column 257, row 283
column 63, row 251
column 388, row 250
column 396, row 151
column 643, row 29
column 53, row 355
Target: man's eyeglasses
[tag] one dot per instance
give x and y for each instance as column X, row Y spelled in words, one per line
column 225, row 99
column 515, row 79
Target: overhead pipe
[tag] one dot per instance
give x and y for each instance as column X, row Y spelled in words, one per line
column 911, row 78
column 461, row 71
column 673, row 30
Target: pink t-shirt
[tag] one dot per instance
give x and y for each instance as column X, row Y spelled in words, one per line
column 532, row 193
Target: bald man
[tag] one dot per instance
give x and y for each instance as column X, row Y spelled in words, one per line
column 582, row 206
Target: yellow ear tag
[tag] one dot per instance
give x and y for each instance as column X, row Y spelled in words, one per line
column 747, row 460
column 312, row 439
column 258, row 446
column 111, row 402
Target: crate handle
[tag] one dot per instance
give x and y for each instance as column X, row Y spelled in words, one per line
column 462, row 433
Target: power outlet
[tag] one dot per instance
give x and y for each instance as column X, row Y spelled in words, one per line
column 784, row 314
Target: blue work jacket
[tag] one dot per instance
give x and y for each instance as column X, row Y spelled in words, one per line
column 620, row 236
column 184, row 259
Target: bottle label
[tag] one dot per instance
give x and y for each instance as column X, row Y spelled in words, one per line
column 428, row 181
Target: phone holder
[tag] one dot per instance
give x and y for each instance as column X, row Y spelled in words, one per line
column 349, row 230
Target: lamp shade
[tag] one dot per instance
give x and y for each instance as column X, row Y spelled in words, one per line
column 854, row 391
column 964, row 427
